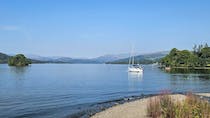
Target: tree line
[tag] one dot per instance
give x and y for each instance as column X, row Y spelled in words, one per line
column 198, row 57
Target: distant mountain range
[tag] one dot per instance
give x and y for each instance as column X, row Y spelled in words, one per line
column 4, row 59
column 56, row 59
column 142, row 59
column 111, row 59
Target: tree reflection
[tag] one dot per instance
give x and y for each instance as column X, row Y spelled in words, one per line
column 19, row 72
column 190, row 82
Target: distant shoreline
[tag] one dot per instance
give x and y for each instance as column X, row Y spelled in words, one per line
column 196, row 68
column 193, row 68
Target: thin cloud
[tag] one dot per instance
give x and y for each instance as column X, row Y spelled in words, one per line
column 18, row 29
column 9, row 28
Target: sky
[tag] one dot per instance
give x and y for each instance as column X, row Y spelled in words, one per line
column 91, row 28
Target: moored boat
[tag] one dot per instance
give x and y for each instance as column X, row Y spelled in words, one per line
column 132, row 67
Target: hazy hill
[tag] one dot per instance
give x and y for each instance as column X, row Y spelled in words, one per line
column 56, row 59
column 142, row 59
column 118, row 58
column 3, row 58
column 59, row 59
column 71, row 60
column 110, row 57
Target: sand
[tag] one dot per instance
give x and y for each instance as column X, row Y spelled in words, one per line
column 203, row 94
column 134, row 109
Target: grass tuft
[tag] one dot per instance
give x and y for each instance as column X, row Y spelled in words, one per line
column 165, row 107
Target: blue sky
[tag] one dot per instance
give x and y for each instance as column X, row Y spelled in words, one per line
column 90, row 28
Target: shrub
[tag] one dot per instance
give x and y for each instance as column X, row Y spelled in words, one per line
column 154, row 107
column 164, row 106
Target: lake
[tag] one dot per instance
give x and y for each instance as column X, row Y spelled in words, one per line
column 59, row 90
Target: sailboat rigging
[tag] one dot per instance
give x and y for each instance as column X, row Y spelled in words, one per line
column 132, row 67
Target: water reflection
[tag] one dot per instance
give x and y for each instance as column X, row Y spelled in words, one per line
column 19, row 72
column 134, row 81
column 57, row 90
column 191, row 76
column 135, row 76
column 190, row 71
column 190, row 82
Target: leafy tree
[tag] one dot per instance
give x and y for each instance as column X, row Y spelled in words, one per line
column 18, row 60
column 195, row 49
column 205, row 52
column 166, row 61
column 199, row 57
column 205, row 55
column 206, row 45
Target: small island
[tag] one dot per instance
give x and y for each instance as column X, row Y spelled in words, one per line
column 199, row 58
column 19, row 60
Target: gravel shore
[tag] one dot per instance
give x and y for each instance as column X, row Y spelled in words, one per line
column 134, row 109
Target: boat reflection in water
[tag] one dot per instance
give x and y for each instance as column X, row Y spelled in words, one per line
column 135, row 81
column 135, row 76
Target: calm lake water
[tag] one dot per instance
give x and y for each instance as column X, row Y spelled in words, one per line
column 59, row 90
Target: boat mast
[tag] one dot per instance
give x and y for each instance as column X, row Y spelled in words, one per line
column 133, row 60
column 129, row 63
column 130, row 58
column 133, row 55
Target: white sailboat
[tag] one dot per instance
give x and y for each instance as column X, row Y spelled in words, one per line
column 132, row 67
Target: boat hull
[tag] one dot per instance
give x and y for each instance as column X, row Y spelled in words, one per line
column 138, row 70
